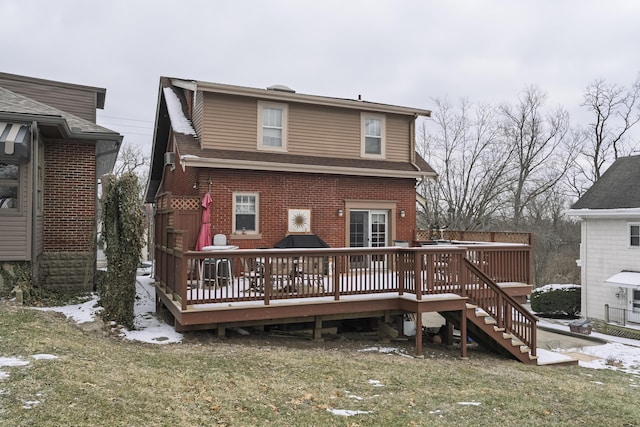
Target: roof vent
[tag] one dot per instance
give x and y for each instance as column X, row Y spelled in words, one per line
column 281, row 88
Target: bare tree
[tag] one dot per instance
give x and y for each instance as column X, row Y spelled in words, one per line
column 614, row 111
column 543, row 149
column 131, row 159
column 462, row 143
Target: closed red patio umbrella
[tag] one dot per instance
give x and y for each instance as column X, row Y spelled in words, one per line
column 204, row 237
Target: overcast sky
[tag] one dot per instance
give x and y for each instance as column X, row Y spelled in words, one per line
column 400, row 52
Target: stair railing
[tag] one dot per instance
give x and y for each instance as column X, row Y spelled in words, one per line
column 507, row 312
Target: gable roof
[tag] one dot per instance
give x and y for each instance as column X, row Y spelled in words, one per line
column 171, row 114
column 58, row 123
column 617, row 188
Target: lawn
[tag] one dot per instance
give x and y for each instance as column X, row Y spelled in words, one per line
column 258, row 380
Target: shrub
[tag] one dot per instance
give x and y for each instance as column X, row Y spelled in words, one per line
column 556, row 301
column 123, row 234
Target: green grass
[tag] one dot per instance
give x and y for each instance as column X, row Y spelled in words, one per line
column 249, row 381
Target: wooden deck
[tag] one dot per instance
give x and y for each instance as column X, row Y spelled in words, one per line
column 223, row 289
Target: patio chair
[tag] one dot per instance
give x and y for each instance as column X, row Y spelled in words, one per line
column 310, row 273
column 253, row 271
column 280, row 272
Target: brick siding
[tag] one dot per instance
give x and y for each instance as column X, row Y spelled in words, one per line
column 69, row 196
column 279, row 191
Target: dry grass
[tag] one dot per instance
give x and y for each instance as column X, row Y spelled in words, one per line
column 247, row 381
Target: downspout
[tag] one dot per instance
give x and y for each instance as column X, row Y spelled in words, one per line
column 35, row 156
column 584, row 287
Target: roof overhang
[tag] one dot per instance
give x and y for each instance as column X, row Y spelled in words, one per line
column 604, row 213
column 625, row 279
column 285, row 96
column 203, row 162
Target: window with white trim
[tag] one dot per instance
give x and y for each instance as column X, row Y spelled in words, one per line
column 245, row 213
column 9, row 187
column 272, row 126
column 634, row 235
column 372, row 134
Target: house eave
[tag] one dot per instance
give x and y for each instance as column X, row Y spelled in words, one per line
column 281, row 96
column 604, row 213
column 201, row 162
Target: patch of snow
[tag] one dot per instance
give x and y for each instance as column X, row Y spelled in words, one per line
column 179, row 122
column 12, row 361
column 614, row 356
column 555, row 287
column 469, row 403
column 386, row 350
column 80, row 313
column 29, row 404
column 346, row 412
column 44, row 356
column 375, row 383
column 546, row 357
column 148, row 327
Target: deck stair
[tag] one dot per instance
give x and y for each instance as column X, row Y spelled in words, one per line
column 484, row 330
column 499, row 333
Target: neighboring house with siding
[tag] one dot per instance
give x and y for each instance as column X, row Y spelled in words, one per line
column 610, row 243
column 52, row 154
column 344, row 169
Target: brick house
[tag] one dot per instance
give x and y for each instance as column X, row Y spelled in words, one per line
column 52, row 154
column 346, row 170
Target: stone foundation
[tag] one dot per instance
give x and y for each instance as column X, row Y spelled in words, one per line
column 66, row 271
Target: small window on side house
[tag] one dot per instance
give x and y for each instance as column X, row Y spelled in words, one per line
column 245, row 213
column 634, row 235
column 272, row 126
column 9, row 187
column 372, row 135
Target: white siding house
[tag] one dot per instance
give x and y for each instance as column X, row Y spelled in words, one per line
column 610, row 244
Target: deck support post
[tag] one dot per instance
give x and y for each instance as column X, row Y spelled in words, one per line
column 418, row 334
column 449, row 337
column 463, row 333
column 317, row 330
column 221, row 331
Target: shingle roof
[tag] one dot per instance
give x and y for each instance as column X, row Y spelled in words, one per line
column 11, row 102
column 617, row 188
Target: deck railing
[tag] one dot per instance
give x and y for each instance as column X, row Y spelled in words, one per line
column 212, row 277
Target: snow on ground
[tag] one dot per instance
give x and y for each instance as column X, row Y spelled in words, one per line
column 148, row 327
column 615, row 353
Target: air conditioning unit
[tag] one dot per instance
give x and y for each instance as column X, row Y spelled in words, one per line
column 170, row 159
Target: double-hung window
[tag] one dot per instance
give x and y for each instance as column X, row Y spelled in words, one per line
column 9, row 186
column 634, row 235
column 245, row 213
column 272, row 126
column 372, row 132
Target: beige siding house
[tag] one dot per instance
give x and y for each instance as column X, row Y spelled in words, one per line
column 52, row 154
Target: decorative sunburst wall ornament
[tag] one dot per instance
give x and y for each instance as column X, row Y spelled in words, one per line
column 299, row 220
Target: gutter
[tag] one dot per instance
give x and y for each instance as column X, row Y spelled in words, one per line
column 195, row 161
column 603, row 213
